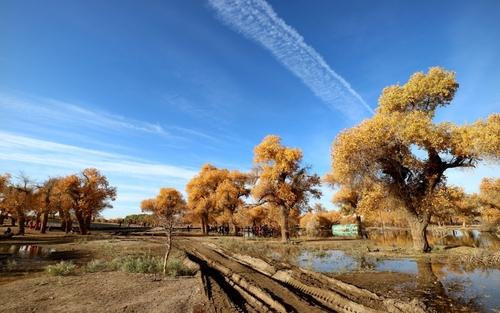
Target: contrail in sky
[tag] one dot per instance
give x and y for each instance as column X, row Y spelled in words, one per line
column 257, row 20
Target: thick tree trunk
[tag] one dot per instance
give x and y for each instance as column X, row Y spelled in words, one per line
column 285, row 231
column 88, row 221
column 418, row 227
column 63, row 219
column 68, row 224
column 21, row 219
column 81, row 222
column 168, row 245
column 45, row 217
column 203, row 229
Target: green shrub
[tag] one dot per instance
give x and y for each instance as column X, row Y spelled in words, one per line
column 10, row 265
column 175, row 267
column 62, row 268
column 139, row 264
column 97, row 266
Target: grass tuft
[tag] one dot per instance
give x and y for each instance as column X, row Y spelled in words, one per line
column 62, row 268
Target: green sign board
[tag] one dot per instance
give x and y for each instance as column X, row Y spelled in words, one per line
column 345, row 230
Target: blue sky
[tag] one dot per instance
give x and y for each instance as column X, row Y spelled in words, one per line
column 150, row 91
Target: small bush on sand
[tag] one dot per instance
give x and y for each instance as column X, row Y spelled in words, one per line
column 10, row 265
column 97, row 266
column 62, row 268
column 139, row 264
column 175, row 267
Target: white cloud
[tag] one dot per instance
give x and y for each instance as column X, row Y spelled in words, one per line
column 134, row 178
column 50, row 111
column 30, row 150
column 257, row 20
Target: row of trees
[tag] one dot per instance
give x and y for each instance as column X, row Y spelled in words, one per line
column 392, row 164
column 79, row 196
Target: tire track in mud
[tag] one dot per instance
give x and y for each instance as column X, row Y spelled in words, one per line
column 246, row 284
column 263, row 294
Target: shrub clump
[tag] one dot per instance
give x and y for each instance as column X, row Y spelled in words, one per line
column 62, row 268
column 10, row 265
column 97, row 266
column 140, row 264
column 176, row 268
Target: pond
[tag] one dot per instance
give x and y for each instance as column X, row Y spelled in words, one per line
column 439, row 285
column 25, row 251
column 437, row 236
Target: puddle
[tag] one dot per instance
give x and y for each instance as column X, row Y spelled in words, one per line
column 26, row 251
column 437, row 284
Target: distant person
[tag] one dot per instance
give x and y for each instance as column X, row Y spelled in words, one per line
column 8, row 231
column 189, row 228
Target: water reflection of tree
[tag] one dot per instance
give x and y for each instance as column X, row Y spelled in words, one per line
column 434, row 294
column 437, row 236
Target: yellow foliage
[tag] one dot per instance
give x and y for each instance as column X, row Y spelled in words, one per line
column 403, row 152
column 282, row 182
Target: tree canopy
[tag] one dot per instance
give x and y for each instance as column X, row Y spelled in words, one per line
column 282, row 181
column 402, row 149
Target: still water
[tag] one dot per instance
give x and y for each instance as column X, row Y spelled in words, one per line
column 438, row 285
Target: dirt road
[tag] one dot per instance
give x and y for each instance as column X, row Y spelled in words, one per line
column 239, row 283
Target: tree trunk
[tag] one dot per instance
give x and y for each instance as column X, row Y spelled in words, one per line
column 203, row 230
column 88, row 221
column 2, row 218
column 45, row 217
column 68, row 224
column 285, row 231
column 21, row 221
column 168, row 245
column 81, row 222
column 418, row 227
column 62, row 216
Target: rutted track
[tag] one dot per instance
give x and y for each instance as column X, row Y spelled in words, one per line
column 246, row 284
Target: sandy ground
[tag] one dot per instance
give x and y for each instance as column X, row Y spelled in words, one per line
column 103, row 292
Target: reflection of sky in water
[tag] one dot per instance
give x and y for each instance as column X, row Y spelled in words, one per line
column 327, row 261
column 402, row 266
column 483, row 286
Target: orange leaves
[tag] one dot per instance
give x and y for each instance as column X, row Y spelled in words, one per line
column 216, row 193
column 422, row 92
column 401, row 151
column 275, row 158
column 166, row 204
column 283, row 184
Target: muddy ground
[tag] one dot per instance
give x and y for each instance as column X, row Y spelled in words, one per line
column 27, row 288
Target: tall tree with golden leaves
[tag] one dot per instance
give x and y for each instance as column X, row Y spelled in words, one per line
column 347, row 199
column 489, row 199
column 168, row 204
column 282, row 182
column 388, row 148
column 229, row 195
column 18, row 199
column 202, row 193
column 90, row 193
column 45, row 195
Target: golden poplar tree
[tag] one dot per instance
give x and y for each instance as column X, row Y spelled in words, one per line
column 166, row 206
column 404, row 151
column 282, row 181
